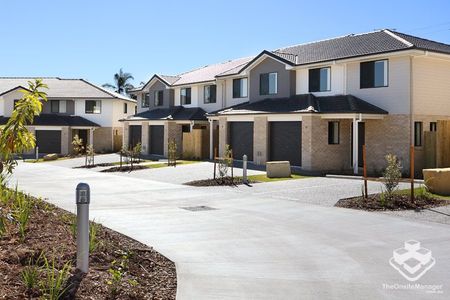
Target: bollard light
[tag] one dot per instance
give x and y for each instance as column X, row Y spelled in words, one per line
column 244, row 169
column 83, row 198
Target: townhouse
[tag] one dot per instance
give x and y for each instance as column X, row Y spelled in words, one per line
column 314, row 104
column 74, row 107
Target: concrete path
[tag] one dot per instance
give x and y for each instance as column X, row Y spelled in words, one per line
column 256, row 243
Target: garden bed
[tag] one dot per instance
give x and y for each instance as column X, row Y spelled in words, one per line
column 399, row 201
column 120, row 267
column 226, row 181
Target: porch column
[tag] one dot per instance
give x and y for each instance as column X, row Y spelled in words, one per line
column 355, row 145
column 126, row 128
column 91, row 136
column 223, row 134
column 145, row 137
column 211, row 139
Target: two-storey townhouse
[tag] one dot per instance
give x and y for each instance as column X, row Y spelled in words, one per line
column 74, row 107
column 174, row 107
column 391, row 87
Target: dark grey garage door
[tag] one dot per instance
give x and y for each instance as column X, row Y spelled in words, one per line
column 241, row 139
column 156, row 141
column 286, row 142
column 48, row 141
column 135, row 135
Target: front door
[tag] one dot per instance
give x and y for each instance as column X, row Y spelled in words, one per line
column 361, row 142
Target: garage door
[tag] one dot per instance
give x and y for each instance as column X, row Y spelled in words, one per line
column 286, row 142
column 241, row 139
column 156, row 141
column 48, row 141
column 135, row 135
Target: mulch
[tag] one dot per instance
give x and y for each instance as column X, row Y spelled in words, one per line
column 147, row 275
column 125, row 168
column 397, row 202
column 226, row 181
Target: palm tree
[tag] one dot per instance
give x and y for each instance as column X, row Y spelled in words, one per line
column 121, row 82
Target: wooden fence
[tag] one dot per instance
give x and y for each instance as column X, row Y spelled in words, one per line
column 443, row 144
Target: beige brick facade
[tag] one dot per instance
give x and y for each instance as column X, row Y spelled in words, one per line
column 126, row 133
column 103, row 139
column 173, row 130
column 223, row 134
column 66, row 140
column 260, row 140
column 145, row 137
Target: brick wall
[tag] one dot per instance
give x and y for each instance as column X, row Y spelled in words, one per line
column 145, row 138
column 260, row 140
column 126, row 133
column 173, row 131
column 103, row 139
column 223, row 134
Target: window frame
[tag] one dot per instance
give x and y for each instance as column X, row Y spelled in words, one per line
column 207, row 100
column 145, row 100
column 157, row 101
column 241, row 94
column 332, row 132
column 52, row 102
column 261, row 92
column 310, row 71
column 93, row 112
column 418, row 136
column 183, row 101
column 433, row 126
column 362, row 83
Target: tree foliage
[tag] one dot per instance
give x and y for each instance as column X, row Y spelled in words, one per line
column 14, row 136
column 121, row 82
column 391, row 175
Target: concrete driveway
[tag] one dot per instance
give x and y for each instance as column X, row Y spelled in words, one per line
column 255, row 243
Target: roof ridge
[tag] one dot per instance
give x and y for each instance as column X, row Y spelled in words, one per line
column 395, row 36
column 215, row 64
column 327, row 39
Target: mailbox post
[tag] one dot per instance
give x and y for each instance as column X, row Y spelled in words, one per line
column 83, row 198
column 244, row 169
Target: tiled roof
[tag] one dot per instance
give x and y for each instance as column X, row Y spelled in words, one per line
column 57, row 120
column 63, row 88
column 172, row 113
column 306, row 103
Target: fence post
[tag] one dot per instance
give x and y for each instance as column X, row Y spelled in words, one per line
column 365, row 171
column 215, row 160
column 244, row 169
column 83, row 198
column 412, row 171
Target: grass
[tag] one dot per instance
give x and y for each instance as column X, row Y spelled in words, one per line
column 421, row 190
column 264, row 178
column 32, row 160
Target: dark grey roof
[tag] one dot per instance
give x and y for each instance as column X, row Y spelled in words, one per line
column 306, row 103
column 354, row 45
column 57, row 120
column 173, row 113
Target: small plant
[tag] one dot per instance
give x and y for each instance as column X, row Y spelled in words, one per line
column 172, row 153
column 53, row 285
column 117, row 271
column 21, row 211
column 77, row 144
column 2, row 224
column 93, row 240
column 90, row 154
column 391, row 175
column 30, row 277
column 225, row 162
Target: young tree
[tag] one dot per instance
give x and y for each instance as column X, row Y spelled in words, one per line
column 77, row 144
column 14, row 136
column 121, row 82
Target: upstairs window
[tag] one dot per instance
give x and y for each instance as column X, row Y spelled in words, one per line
column 133, row 96
column 93, row 107
column 240, row 88
column 333, row 133
column 125, row 108
column 185, row 96
column 268, row 84
column 54, row 106
column 145, row 100
column 374, row 74
column 209, row 93
column 159, row 95
column 433, row 126
column 320, row 80
column 418, row 129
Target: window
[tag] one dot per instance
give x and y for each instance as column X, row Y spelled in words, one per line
column 320, row 80
column 125, row 108
column 186, row 128
column 433, row 126
column 185, row 96
column 209, row 93
column 145, row 100
column 374, row 74
column 240, row 88
column 268, row 84
column 333, row 133
column 133, row 97
column 93, row 106
column 54, row 106
column 418, row 134
column 159, row 96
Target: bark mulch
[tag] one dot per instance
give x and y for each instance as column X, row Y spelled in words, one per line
column 397, row 202
column 125, row 168
column 226, row 181
column 146, row 274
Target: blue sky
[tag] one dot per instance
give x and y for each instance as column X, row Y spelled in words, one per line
column 93, row 39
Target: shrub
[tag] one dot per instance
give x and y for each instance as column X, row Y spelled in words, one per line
column 93, row 240
column 77, row 144
column 172, row 153
column 391, row 175
column 21, row 211
column 53, row 285
column 225, row 162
